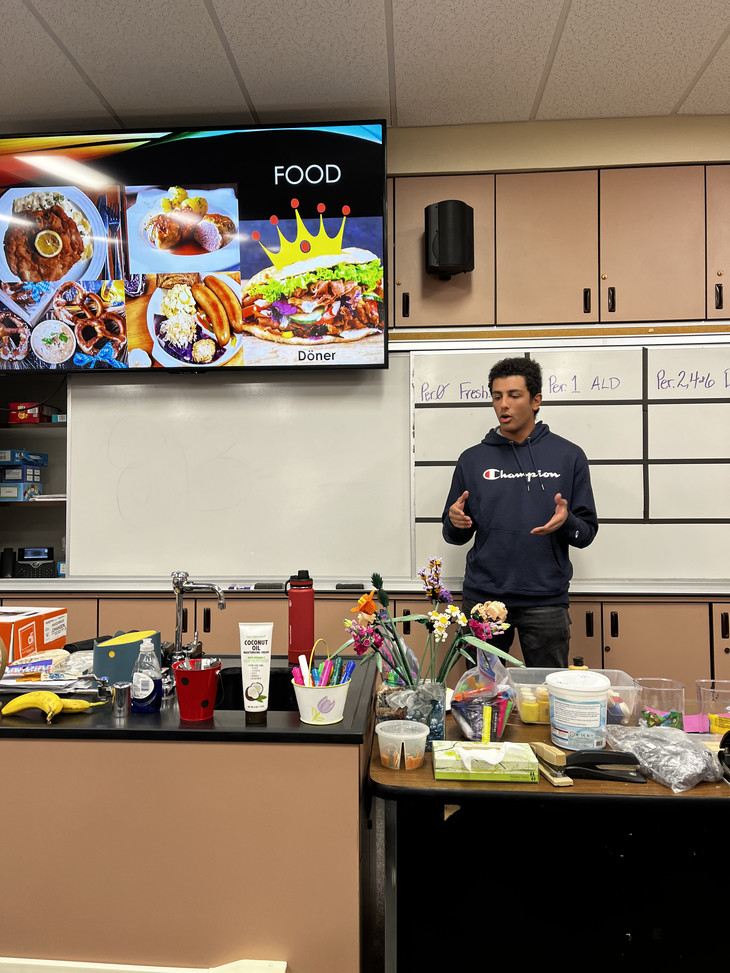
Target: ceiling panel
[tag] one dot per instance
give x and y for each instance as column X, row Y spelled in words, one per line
column 460, row 61
column 150, row 60
column 629, row 59
column 711, row 93
column 318, row 60
column 76, row 64
column 38, row 82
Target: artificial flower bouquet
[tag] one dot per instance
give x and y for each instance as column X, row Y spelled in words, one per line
column 374, row 632
column 413, row 689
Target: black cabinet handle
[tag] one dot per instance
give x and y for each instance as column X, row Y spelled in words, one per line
column 606, row 648
column 406, row 304
column 589, row 625
column 586, row 300
column 725, row 625
column 185, row 619
column 611, row 299
column 718, row 297
column 206, row 619
column 614, row 625
column 406, row 625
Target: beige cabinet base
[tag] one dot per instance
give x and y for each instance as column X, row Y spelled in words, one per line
column 721, row 640
column 668, row 641
column 140, row 613
column 199, row 853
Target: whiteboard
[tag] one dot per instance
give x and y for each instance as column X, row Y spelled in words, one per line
column 241, row 478
column 653, row 420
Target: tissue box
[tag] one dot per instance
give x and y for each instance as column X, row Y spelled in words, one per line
column 28, row 630
column 517, row 765
column 10, row 492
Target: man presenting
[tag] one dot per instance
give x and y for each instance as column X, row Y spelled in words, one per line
column 526, row 495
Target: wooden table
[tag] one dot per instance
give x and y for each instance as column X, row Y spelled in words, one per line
column 610, row 868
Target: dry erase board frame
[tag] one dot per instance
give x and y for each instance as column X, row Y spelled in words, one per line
column 653, row 419
column 305, row 202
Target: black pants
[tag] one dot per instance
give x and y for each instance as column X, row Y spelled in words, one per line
column 544, row 634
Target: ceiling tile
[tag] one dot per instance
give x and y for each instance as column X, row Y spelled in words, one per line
column 158, row 60
column 461, row 61
column 41, row 89
column 619, row 58
column 317, row 60
column 711, row 94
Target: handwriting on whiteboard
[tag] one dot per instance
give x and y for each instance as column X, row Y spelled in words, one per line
column 688, row 380
column 466, row 391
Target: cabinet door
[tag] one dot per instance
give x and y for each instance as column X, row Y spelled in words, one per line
column 585, row 633
column 138, row 613
column 718, row 241
column 330, row 613
column 652, row 243
column 721, row 640
column 547, row 247
column 81, row 612
column 667, row 641
column 218, row 630
column 421, row 299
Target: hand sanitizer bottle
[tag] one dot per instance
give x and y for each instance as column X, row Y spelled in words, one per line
column 146, row 680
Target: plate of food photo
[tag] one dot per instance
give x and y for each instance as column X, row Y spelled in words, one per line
column 183, row 229
column 195, row 320
column 90, row 312
column 51, row 234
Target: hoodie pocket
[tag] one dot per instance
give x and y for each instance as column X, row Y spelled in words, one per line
column 510, row 560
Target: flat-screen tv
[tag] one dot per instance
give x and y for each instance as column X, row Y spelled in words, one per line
column 189, row 250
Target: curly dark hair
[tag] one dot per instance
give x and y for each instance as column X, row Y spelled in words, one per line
column 527, row 367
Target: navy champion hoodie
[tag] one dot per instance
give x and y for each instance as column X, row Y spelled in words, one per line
column 512, row 489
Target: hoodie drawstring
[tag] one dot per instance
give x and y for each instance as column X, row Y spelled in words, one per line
column 534, row 465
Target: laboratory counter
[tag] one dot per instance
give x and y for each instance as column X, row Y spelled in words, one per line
column 158, row 843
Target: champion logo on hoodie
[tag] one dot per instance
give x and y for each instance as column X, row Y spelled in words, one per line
column 493, row 474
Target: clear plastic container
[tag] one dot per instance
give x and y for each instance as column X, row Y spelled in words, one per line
column 397, row 735
column 532, row 693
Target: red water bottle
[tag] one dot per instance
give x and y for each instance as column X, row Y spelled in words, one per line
column 301, row 616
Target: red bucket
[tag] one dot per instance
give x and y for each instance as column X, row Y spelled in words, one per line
column 196, row 688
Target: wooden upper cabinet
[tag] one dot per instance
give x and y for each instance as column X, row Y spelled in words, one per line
column 718, row 241
column 652, row 236
column 547, row 247
column 420, row 299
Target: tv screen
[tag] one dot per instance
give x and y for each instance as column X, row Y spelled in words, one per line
column 240, row 248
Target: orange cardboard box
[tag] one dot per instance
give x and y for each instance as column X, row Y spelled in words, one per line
column 28, row 630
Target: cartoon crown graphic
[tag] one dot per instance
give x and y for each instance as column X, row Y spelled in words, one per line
column 304, row 244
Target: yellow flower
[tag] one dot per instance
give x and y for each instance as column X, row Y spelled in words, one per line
column 366, row 605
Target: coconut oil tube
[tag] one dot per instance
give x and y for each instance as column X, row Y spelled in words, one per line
column 255, row 668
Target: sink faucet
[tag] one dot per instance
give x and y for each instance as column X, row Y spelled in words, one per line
column 182, row 586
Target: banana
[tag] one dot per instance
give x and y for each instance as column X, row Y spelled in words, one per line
column 78, row 705
column 50, row 703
